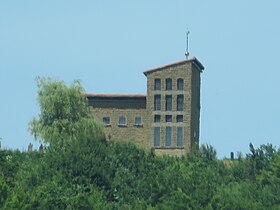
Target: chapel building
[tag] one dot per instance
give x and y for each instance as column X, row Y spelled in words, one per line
column 167, row 118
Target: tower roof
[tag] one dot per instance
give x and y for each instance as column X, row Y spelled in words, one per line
column 193, row 59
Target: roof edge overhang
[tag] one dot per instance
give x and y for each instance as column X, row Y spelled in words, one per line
column 193, row 59
column 115, row 95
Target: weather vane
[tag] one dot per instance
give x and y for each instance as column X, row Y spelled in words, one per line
column 187, row 45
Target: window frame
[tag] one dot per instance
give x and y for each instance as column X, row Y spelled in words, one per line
column 138, row 123
column 157, row 102
column 180, row 84
column 157, row 118
column 168, row 103
column 104, row 121
column 168, row 84
column 157, row 84
column 119, row 121
column 180, row 104
column 168, row 136
column 167, row 117
column 179, row 116
column 156, row 136
column 181, row 137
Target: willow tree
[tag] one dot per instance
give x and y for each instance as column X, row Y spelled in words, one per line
column 64, row 114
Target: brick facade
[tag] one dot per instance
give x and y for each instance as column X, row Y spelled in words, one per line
column 173, row 117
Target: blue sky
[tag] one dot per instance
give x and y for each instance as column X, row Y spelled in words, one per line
column 108, row 44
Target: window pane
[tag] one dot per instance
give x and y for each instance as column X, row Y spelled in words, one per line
column 180, row 84
column 168, row 103
column 168, row 118
column 179, row 136
column 138, row 121
column 106, row 120
column 157, row 84
column 168, row 136
column 122, row 120
column 180, row 118
column 168, row 84
column 157, row 136
column 180, row 102
column 157, row 118
column 157, row 101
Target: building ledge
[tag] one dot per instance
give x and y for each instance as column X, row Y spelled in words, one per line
column 166, row 148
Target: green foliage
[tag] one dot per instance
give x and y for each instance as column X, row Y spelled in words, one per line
column 79, row 170
column 65, row 115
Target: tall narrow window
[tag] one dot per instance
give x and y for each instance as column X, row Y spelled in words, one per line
column 157, row 84
column 157, row 101
column 168, row 103
column 168, row 83
column 168, row 136
column 179, row 136
column 180, row 102
column 122, row 120
column 180, row 84
column 156, row 136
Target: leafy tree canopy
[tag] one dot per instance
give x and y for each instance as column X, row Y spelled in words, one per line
column 64, row 114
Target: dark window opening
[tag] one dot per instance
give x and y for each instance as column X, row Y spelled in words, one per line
column 180, row 118
column 157, row 84
column 168, row 83
column 168, row 103
column 157, row 102
column 157, row 118
column 180, row 103
column 180, row 84
column 179, row 136
column 157, row 136
column 138, row 120
column 122, row 120
column 168, row 136
column 106, row 120
column 168, row 118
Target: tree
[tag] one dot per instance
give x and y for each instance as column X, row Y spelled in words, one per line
column 65, row 114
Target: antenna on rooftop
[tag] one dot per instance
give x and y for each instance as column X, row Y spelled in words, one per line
column 187, row 45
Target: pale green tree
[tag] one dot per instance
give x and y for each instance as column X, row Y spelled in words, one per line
column 64, row 114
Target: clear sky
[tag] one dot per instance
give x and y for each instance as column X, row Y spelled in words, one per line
column 108, row 44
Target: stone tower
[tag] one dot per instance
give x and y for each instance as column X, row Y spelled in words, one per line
column 173, row 106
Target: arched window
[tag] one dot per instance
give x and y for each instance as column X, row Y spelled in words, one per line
column 122, row 120
column 180, row 84
column 168, row 83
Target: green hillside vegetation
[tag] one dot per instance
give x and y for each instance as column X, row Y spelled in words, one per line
column 80, row 170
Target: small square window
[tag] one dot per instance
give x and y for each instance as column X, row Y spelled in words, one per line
column 157, row 118
column 168, row 118
column 138, row 120
column 179, row 118
column 106, row 120
column 122, row 120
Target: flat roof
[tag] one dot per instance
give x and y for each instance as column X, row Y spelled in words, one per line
column 193, row 59
column 115, row 95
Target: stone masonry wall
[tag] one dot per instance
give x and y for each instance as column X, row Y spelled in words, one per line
column 175, row 72
column 128, row 132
